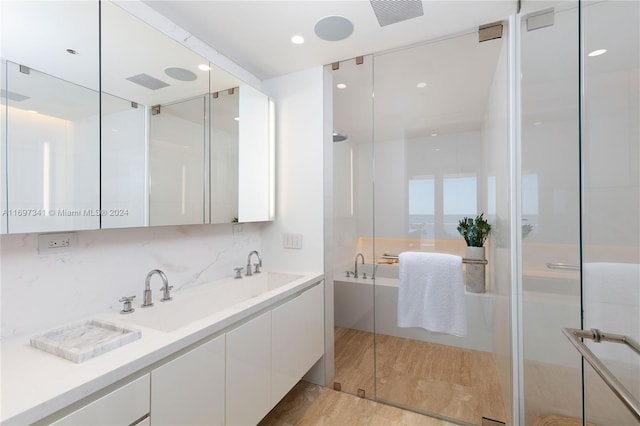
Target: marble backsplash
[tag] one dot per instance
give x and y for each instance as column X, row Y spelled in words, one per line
column 39, row 292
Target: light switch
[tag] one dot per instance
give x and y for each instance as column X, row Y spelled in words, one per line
column 292, row 241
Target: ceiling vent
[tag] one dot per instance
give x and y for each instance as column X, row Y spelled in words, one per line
column 393, row 11
column 145, row 80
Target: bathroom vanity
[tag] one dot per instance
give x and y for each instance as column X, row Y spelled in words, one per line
column 229, row 363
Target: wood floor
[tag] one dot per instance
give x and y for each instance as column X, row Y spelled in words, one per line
column 454, row 382
column 309, row 404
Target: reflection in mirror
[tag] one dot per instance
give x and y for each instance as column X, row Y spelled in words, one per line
column 52, row 151
column 123, row 174
column 50, row 172
column 176, row 163
column 223, row 172
column 69, row 49
column 144, row 67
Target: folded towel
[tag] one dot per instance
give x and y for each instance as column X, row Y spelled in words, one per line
column 431, row 293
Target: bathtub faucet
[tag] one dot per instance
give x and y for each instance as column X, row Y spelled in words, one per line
column 355, row 269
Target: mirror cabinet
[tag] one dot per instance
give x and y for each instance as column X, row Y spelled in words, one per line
column 122, row 128
column 50, row 121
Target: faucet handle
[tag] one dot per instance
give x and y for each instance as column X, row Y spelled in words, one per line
column 127, row 308
column 238, row 272
column 257, row 268
column 166, row 296
column 348, row 274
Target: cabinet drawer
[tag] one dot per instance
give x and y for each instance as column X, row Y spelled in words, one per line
column 123, row 406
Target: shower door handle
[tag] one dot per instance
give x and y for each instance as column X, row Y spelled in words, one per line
column 575, row 335
column 563, row 266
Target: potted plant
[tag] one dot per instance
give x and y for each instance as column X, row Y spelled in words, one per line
column 475, row 233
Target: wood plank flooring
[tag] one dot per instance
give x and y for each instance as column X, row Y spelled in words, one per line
column 309, row 404
column 450, row 381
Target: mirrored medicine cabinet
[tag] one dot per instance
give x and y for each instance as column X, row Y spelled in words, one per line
column 123, row 127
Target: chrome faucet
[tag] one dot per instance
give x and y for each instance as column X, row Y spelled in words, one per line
column 166, row 296
column 257, row 265
column 355, row 269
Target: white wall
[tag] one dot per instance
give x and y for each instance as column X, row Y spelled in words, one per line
column 343, row 215
column 43, row 291
column 302, row 134
column 299, row 164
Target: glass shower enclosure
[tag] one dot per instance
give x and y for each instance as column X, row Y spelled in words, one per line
column 540, row 131
column 430, row 148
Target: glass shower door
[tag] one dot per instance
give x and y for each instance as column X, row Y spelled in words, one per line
column 353, row 228
column 550, row 174
column 441, row 153
column 177, row 163
column 611, row 198
column 581, row 248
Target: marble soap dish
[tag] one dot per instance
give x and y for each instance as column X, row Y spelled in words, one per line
column 84, row 340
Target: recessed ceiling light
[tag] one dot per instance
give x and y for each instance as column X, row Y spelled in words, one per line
column 296, row 39
column 437, row 149
column 204, row 67
column 341, row 86
column 598, row 52
column 434, row 134
column 32, row 111
column 333, row 28
column 71, row 51
column 421, row 85
column 236, row 118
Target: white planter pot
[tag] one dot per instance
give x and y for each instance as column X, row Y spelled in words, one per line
column 474, row 274
column 475, row 253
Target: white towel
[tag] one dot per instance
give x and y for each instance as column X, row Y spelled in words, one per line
column 431, row 293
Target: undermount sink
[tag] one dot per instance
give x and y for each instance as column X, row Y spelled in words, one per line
column 195, row 303
column 84, row 340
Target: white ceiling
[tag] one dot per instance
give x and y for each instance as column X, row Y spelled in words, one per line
column 256, row 34
column 458, row 73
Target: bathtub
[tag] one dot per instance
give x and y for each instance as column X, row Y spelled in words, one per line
column 548, row 304
column 354, row 308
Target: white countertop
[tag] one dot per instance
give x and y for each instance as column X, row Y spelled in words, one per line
column 36, row 384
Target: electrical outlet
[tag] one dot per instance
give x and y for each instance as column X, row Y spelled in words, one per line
column 237, row 229
column 57, row 243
